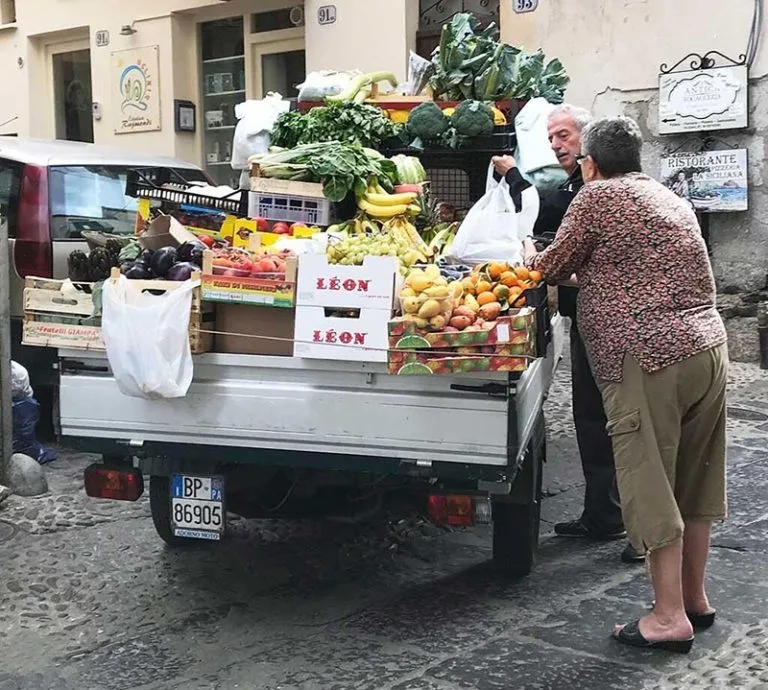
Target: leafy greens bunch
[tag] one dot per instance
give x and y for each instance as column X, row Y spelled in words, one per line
column 346, row 122
column 473, row 64
column 341, row 168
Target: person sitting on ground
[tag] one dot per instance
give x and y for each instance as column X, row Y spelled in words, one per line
column 658, row 350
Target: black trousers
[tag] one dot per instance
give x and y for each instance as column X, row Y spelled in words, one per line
column 602, row 509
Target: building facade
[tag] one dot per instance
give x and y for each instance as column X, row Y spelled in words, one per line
column 142, row 74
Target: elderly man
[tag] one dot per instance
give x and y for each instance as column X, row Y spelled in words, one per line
column 601, row 518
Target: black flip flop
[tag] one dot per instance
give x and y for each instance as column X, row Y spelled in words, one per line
column 630, row 635
column 700, row 621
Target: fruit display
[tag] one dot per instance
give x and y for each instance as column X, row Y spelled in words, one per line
column 428, row 300
column 495, row 287
column 239, row 263
column 349, row 243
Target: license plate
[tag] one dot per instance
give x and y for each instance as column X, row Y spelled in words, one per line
column 197, row 507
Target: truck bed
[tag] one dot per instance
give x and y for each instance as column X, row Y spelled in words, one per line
column 317, row 406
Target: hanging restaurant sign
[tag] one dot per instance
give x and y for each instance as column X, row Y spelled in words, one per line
column 705, row 97
column 712, row 181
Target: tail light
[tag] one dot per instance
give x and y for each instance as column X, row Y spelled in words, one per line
column 458, row 510
column 125, row 484
column 33, row 254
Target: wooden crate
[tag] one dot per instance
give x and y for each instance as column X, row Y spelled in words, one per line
column 53, row 318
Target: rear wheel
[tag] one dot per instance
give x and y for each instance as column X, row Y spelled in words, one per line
column 160, row 505
column 516, row 525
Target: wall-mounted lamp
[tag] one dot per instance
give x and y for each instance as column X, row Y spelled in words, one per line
column 127, row 30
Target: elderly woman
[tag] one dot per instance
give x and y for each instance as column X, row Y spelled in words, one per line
column 658, row 350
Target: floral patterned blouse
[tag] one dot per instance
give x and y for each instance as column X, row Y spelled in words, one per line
column 646, row 284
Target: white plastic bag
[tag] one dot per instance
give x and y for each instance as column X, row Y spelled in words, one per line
column 147, row 339
column 319, row 85
column 493, row 230
column 20, row 388
column 255, row 120
column 535, row 158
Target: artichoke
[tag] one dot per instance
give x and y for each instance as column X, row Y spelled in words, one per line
column 100, row 264
column 78, row 267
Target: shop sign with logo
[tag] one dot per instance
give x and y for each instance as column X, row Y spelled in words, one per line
column 136, row 90
column 703, row 100
column 711, row 181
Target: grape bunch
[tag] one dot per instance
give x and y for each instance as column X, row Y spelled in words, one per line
column 350, row 251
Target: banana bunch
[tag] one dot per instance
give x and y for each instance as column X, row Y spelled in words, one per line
column 378, row 203
column 441, row 238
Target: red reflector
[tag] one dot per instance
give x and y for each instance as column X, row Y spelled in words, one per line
column 119, row 485
column 451, row 510
column 437, row 509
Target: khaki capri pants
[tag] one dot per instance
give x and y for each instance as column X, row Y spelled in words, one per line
column 668, row 434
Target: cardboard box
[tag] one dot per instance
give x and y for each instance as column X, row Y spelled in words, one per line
column 370, row 286
column 165, row 231
column 431, row 363
column 518, row 328
column 324, row 335
column 268, row 290
column 247, row 330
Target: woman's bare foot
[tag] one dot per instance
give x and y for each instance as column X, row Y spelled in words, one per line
column 698, row 605
column 655, row 629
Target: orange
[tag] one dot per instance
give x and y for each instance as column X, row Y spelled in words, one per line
column 495, row 270
column 484, row 298
column 521, row 302
column 536, row 276
column 522, row 272
column 514, row 292
column 483, row 286
column 509, row 278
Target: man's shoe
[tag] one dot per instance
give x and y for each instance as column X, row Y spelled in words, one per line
column 577, row 529
column 630, row 555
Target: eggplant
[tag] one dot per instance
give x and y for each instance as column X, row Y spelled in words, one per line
column 191, row 252
column 162, row 260
column 136, row 271
column 181, row 271
column 146, row 257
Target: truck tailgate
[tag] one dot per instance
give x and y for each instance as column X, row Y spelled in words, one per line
column 312, row 405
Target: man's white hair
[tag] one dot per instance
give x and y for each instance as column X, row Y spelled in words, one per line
column 581, row 116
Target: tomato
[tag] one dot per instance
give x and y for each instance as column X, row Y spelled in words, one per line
column 281, row 229
column 261, row 224
column 207, row 240
column 244, row 265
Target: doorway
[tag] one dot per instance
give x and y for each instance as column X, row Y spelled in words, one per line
column 278, row 66
column 72, row 95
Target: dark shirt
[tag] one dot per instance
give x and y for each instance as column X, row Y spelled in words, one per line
column 553, row 206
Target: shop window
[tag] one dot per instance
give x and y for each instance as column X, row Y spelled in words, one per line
column 223, row 70
column 7, row 11
column 277, row 20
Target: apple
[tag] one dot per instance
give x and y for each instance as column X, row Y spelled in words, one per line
column 281, row 229
column 261, row 224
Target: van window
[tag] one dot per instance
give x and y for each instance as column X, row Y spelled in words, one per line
column 10, row 183
column 93, row 198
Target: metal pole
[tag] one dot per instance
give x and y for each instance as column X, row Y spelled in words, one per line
column 6, row 406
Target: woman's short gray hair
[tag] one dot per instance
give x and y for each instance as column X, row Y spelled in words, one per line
column 580, row 116
column 615, row 144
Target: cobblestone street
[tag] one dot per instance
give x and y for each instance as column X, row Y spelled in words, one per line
column 91, row 599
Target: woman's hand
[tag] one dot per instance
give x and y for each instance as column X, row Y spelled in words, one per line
column 503, row 164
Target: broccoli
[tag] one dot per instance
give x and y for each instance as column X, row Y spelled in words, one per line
column 473, row 119
column 426, row 121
